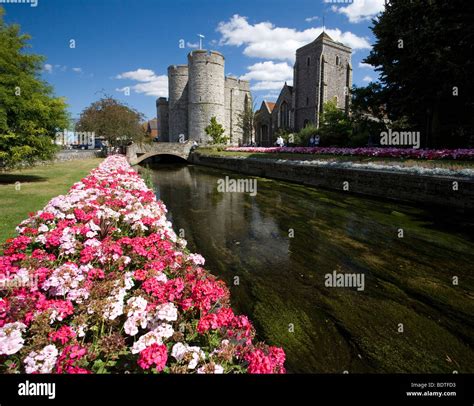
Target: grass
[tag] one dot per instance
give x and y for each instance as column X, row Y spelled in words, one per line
column 444, row 163
column 36, row 187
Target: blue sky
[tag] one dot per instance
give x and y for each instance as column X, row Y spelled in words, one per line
column 122, row 44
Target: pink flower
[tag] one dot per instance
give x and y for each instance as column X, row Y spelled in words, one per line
column 154, row 355
column 63, row 334
column 266, row 363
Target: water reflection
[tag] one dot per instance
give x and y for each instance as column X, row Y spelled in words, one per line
column 282, row 242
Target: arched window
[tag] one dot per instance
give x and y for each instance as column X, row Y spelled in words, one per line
column 308, row 61
column 307, row 101
column 338, row 61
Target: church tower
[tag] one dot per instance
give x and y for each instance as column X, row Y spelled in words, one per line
column 322, row 72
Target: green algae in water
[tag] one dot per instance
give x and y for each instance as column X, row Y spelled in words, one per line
column 408, row 281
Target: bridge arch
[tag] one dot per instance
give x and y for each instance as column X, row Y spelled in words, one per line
column 137, row 153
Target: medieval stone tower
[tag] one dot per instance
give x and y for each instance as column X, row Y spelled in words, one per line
column 322, row 72
column 199, row 91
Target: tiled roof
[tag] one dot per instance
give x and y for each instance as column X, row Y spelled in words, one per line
column 270, row 105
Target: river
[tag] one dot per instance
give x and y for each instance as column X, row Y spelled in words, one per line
column 276, row 249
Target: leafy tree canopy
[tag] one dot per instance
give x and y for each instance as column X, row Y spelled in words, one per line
column 30, row 115
column 424, row 53
column 115, row 121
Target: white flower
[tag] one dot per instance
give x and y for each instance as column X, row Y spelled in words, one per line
column 11, row 340
column 42, row 362
column 179, row 351
column 218, row 369
column 197, row 259
column 167, row 311
column 155, row 336
column 81, row 330
column 43, row 228
column 137, row 306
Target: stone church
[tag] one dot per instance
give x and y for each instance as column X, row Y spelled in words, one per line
column 322, row 72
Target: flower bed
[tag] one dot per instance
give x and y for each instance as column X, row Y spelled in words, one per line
column 98, row 282
column 457, row 154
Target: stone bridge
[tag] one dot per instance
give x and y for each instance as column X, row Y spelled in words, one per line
column 137, row 153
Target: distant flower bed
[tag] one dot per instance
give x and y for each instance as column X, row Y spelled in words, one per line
column 98, row 282
column 459, row 154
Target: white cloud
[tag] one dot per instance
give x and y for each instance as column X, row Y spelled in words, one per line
column 271, row 96
column 77, row 70
column 48, row 68
column 367, row 79
column 361, row 10
column 149, row 84
column 264, row 40
column 270, row 85
column 140, row 75
column 310, row 19
column 269, row 71
column 365, row 65
column 269, row 75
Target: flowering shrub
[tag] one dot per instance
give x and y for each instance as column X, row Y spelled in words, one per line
column 458, row 154
column 116, row 290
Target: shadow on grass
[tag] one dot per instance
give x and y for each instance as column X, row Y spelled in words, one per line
column 10, row 179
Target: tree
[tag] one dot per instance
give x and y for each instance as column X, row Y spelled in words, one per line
column 424, row 53
column 216, row 131
column 115, row 121
column 29, row 114
column 303, row 136
column 334, row 126
column 368, row 115
column 247, row 123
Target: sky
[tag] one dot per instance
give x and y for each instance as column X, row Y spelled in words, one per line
column 123, row 47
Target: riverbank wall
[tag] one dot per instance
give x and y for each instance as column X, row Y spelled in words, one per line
column 431, row 190
column 74, row 154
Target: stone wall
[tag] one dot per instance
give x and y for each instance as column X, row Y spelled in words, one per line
column 237, row 94
column 71, row 154
column 178, row 101
column 419, row 189
column 337, row 76
column 162, row 115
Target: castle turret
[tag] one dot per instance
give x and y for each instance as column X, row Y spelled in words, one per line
column 205, row 93
column 178, row 102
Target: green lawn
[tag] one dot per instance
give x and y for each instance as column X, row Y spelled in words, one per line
column 37, row 186
column 440, row 163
